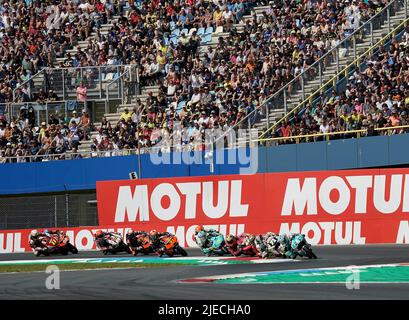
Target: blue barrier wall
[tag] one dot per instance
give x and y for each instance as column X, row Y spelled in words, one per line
column 55, row 176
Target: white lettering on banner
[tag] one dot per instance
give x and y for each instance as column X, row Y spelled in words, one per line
column 303, row 200
column 87, row 236
column 347, row 238
column 162, row 190
column 406, row 195
column 130, row 205
column 187, row 239
column 190, row 190
column 135, row 207
column 403, row 232
column 327, row 227
column 395, row 193
column 6, row 242
column 220, row 209
column 361, row 184
column 237, row 209
column 17, row 243
column 300, row 197
column 334, row 183
column 322, row 232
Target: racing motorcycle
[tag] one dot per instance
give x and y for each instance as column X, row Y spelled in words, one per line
column 301, row 247
column 247, row 248
column 169, row 245
column 141, row 244
column 213, row 245
column 114, row 243
column 58, row 243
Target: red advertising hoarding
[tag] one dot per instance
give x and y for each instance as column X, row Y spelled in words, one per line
column 330, row 207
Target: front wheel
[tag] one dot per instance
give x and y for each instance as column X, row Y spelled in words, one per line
column 182, row 251
column 312, row 255
column 72, row 248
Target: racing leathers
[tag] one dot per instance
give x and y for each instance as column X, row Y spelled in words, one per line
column 35, row 241
column 265, row 244
column 204, row 241
column 283, row 245
column 246, row 245
column 134, row 240
column 108, row 240
column 155, row 241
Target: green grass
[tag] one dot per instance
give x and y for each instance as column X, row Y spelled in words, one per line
column 78, row 266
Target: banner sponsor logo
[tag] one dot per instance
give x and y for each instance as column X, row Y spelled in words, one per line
column 329, row 207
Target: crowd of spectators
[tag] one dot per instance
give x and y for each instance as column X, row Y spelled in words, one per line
column 375, row 97
column 21, row 140
column 33, row 33
column 217, row 88
column 199, row 89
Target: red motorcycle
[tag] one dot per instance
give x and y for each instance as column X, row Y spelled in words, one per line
column 57, row 243
column 169, row 245
column 246, row 246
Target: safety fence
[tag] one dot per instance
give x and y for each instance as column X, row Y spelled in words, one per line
column 48, row 211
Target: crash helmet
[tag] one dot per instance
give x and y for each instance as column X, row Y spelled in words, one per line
column 99, row 233
column 34, row 233
column 201, row 239
column 46, row 231
column 230, row 238
column 283, row 238
column 129, row 232
column 198, row 228
column 153, row 234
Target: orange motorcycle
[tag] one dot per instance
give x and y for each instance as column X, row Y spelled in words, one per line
column 141, row 244
column 169, row 245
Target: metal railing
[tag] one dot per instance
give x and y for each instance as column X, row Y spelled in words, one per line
column 42, row 111
column 327, row 136
column 147, row 150
column 126, row 86
column 347, row 47
column 64, row 81
column 333, row 81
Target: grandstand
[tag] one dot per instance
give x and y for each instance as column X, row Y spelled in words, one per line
column 266, row 65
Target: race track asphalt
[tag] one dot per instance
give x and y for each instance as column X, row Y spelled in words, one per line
column 160, row 282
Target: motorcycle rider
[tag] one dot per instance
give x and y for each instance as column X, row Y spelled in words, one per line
column 155, row 237
column 247, row 244
column 265, row 244
column 104, row 240
column 35, row 236
column 205, row 236
column 284, row 241
column 232, row 246
column 133, row 238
